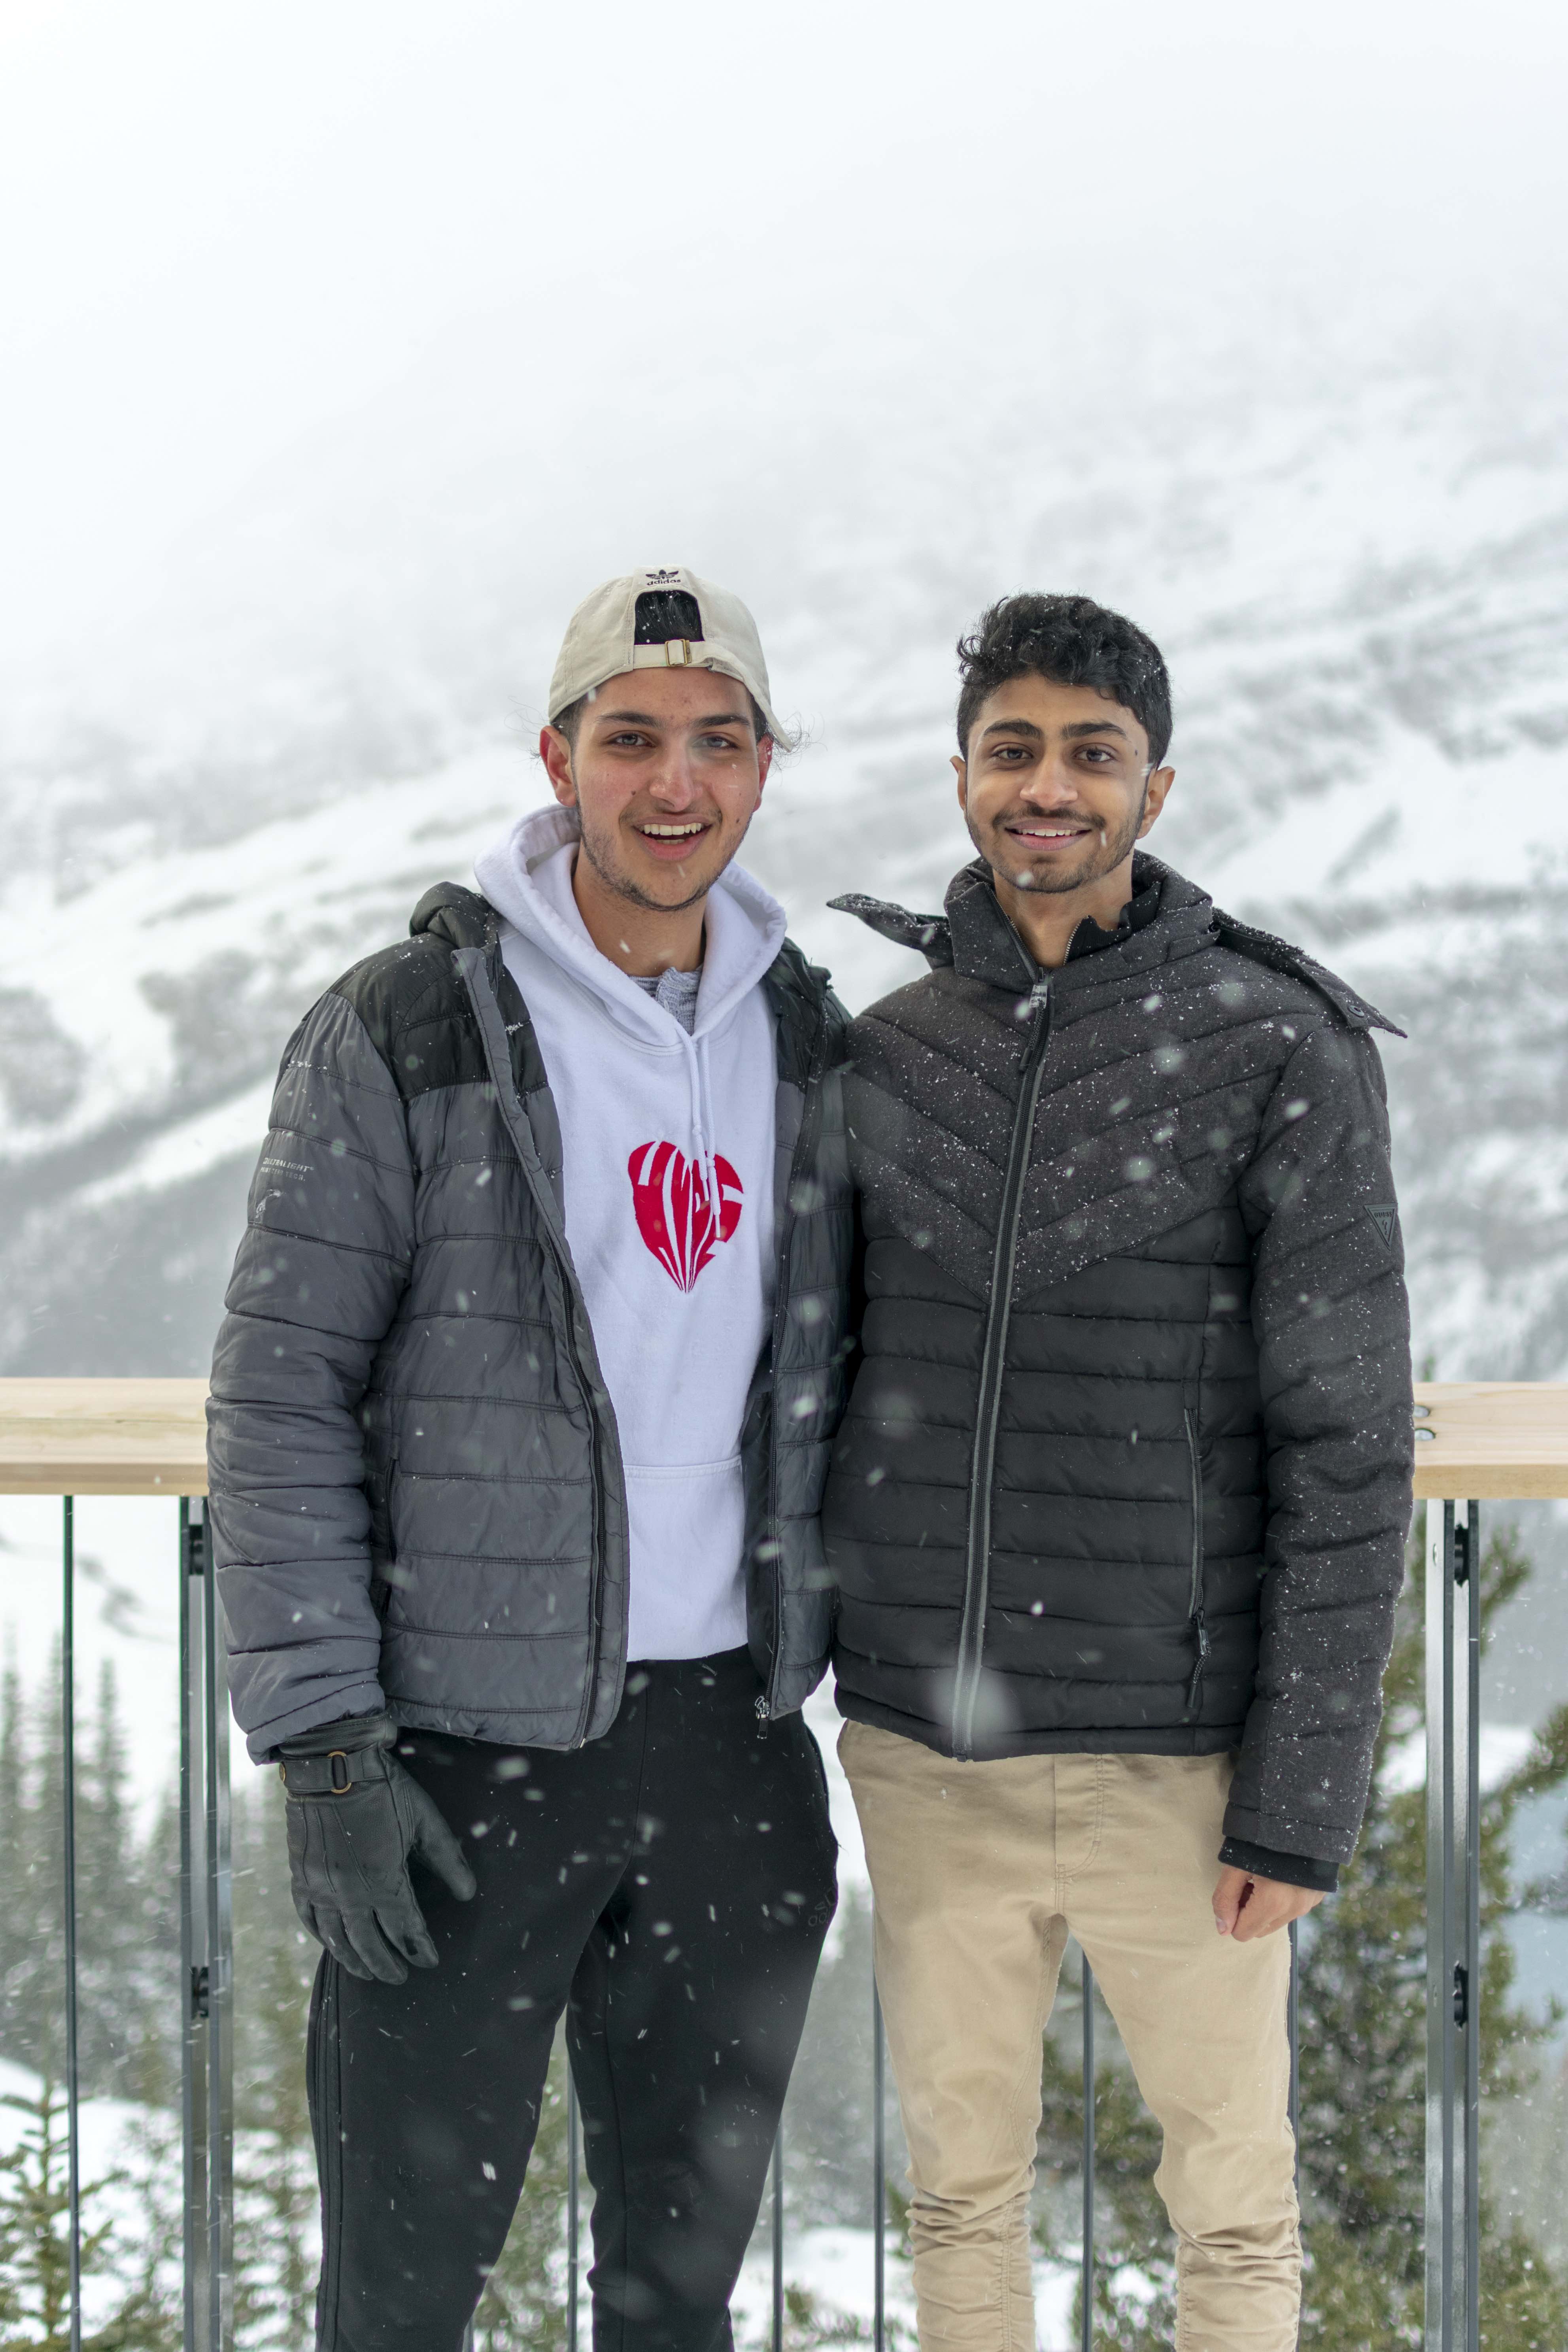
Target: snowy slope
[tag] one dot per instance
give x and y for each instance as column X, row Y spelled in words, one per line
column 1360, row 577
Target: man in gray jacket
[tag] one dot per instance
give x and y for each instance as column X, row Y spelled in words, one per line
column 1118, row 1505
column 518, row 1425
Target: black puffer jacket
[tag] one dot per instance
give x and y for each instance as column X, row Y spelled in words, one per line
column 1127, row 1462
column 418, row 1497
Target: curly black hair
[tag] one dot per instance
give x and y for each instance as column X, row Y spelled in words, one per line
column 1072, row 641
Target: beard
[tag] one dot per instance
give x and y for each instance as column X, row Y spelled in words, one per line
column 1108, row 850
column 600, row 852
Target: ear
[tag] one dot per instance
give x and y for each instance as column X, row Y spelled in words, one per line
column 765, row 763
column 556, row 753
column 1159, row 785
column 961, row 771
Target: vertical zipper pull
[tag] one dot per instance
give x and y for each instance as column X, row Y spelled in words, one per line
column 1202, row 1631
column 1031, row 1009
column 761, row 1704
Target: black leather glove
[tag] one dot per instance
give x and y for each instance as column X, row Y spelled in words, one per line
column 355, row 1819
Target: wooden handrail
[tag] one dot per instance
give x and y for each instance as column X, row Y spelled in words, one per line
column 103, row 1437
column 1498, row 1440
column 1502, row 1440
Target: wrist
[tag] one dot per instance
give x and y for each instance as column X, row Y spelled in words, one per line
column 334, row 1758
column 1289, row 1869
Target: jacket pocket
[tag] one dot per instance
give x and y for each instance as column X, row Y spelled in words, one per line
column 380, row 1469
column 1195, row 1618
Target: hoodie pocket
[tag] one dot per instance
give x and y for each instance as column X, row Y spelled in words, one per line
column 1195, row 1618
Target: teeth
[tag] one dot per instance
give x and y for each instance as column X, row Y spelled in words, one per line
column 672, row 832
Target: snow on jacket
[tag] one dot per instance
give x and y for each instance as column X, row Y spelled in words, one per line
column 418, row 1492
column 1127, row 1462
column 666, row 1175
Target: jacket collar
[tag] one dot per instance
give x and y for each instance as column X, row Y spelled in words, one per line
column 1166, row 915
column 1169, row 917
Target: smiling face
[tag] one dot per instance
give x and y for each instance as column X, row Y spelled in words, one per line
column 666, row 774
column 1057, row 788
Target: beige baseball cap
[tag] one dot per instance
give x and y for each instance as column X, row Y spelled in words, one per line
column 659, row 619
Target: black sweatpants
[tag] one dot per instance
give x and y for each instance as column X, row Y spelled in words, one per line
column 670, row 1887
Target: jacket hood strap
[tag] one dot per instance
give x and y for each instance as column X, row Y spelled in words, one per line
column 1278, row 955
column 456, row 914
column 930, row 934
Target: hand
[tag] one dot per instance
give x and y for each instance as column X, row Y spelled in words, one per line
column 356, row 1819
column 1247, row 1906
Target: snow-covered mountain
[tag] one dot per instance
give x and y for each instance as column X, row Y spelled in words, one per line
column 1356, row 561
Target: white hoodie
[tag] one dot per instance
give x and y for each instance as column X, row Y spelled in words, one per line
column 655, row 1125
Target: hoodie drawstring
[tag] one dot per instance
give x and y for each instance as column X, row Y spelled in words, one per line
column 702, row 1150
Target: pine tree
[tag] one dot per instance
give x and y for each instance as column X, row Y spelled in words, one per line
column 276, row 2237
column 14, row 1909
column 34, row 2294
column 126, row 1912
column 1363, row 2067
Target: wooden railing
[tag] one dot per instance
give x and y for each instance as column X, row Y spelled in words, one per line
column 1497, row 1439
column 1475, row 1440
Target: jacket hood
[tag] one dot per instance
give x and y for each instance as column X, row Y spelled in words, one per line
column 1168, row 913
column 529, row 886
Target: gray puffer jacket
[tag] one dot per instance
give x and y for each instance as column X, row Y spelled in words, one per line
column 418, row 1498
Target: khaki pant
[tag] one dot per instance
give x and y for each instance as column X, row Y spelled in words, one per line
column 980, row 1872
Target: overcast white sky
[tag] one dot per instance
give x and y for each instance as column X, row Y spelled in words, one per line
column 224, row 223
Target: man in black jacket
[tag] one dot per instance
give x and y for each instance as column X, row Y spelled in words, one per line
column 518, row 1425
column 1118, row 1505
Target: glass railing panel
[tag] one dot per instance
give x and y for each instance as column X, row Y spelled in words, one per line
column 126, row 1687
column 829, row 2168
column 1524, row 1926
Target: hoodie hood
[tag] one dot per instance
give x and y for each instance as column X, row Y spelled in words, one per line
column 527, row 877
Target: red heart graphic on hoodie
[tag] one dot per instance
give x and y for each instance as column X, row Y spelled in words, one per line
column 675, row 1216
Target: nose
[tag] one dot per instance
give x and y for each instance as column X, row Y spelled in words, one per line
column 1054, row 782
column 675, row 785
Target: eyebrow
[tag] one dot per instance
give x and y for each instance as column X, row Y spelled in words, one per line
column 1036, row 734
column 646, row 719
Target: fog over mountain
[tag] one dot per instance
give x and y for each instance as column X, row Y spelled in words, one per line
column 1230, row 352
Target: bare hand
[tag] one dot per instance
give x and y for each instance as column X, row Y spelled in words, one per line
column 1248, row 1907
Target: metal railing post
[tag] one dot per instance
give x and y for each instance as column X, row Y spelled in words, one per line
column 1453, row 1928
column 1085, row 1984
column 778, row 2239
column 192, row 1943
column 68, row 1826
column 878, row 2176
column 573, row 2222
column 1470, row 1925
column 220, row 1964
column 206, row 1949
column 1293, row 2034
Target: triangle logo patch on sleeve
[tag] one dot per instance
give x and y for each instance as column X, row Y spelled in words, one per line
column 1385, row 1216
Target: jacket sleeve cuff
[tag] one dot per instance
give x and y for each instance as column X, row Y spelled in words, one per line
column 1289, row 1869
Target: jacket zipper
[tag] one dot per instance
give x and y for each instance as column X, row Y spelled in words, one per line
column 1195, row 1597
column 516, row 1118
column 801, row 1159
column 978, row 1565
